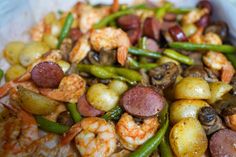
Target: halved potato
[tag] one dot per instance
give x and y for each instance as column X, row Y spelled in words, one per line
column 36, row 103
column 192, row 88
column 185, row 108
column 218, row 89
column 188, row 138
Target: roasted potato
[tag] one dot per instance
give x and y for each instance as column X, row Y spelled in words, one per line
column 185, row 108
column 14, row 72
column 188, row 138
column 192, row 88
column 12, row 51
column 36, row 103
column 101, row 97
column 218, row 89
column 118, row 86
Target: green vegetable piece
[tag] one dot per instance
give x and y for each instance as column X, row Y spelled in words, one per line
column 51, row 126
column 180, row 10
column 232, row 58
column 142, row 52
column 1, row 74
column 101, row 72
column 164, row 147
column 160, row 13
column 65, row 29
column 135, row 65
column 113, row 114
column 106, row 20
column 73, row 112
column 202, row 47
column 36, row 103
column 150, row 145
column 179, row 57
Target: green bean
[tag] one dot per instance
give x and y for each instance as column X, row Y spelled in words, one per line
column 179, row 57
column 164, row 147
column 73, row 112
column 113, row 114
column 202, row 47
column 51, row 126
column 135, row 65
column 150, row 145
column 65, row 29
column 112, row 17
column 142, row 52
column 232, row 58
column 179, row 10
column 160, row 12
column 107, row 72
column 142, row 43
column 1, row 74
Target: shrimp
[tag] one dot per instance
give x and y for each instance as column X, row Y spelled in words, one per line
column 37, row 31
column 70, row 89
column 93, row 137
column 131, row 135
column 81, row 49
column 122, row 153
column 194, row 15
column 19, row 133
column 88, row 15
column 217, row 61
column 110, row 38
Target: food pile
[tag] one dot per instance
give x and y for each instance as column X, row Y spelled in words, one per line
column 118, row 81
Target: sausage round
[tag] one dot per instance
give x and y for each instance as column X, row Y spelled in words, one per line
column 151, row 45
column 128, row 22
column 142, row 101
column 134, row 35
column 203, row 21
column 151, row 28
column 177, row 33
column 86, row 110
column 75, row 34
column 223, row 143
column 47, row 74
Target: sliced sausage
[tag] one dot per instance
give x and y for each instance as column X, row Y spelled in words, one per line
column 142, row 101
column 47, row 75
column 134, row 35
column 86, row 110
column 223, row 143
column 205, row 4
column 128, row 22
column 151, row 45
column 177, row 33
column 203, row 21
column 170, row 17
column 75, row 34
column 151, row 28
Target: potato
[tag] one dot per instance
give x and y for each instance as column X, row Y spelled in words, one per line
column 188, row 138
column 50, row 18
column 118, row 86
column 56, row 28
column 12, row 51
column 185, row 108
column 218, row 89
column 14, row 72
column 50, row 40
column 189, row 29
column 31, row 52
column 101, row 97
column 36, row 103
column 65, row 66
column 192, row 88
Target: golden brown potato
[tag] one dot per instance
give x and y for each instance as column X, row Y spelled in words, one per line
column 192, row 88
column 36, row 103
column 188, row 138
column 218, row 89
column 14, row 72
column 185, row 108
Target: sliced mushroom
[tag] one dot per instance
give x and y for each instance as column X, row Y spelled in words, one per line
column 164, row 75
column 65, row 119
column 200, row 72
column 233, row 84
column 209, row 119
column 66, row 48
column 102, row 58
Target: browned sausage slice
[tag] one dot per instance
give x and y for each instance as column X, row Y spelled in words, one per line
column 134, row 35
column 151, row 45
column 223, row 143
column 128, row 22
column 142, row 101
column 75, row 34
column 177, row 33
column 151, row 28
column 86, row 110
column 47, row 75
